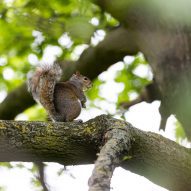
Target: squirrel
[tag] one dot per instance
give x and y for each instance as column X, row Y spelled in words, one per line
column 62, row 100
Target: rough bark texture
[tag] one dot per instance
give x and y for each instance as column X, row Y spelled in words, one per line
column 66, row 143
column 156, row 155
column 153, row 156
column 118, row 142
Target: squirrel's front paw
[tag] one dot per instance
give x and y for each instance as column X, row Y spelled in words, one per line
column 83, row 105
column 78, row 120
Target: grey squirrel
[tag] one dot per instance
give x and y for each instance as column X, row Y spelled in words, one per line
column 62, row 100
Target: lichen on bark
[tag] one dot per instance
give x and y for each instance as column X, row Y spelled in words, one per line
column 161, row 160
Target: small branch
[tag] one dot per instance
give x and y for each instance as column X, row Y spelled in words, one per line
column 127, row 105
column 110, row 156
column 149, row 94
column 165, row 114
column 41, row 176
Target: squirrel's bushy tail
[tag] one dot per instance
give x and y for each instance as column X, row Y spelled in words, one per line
column 41, row 84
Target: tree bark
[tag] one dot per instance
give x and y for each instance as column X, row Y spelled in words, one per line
column 117, row 142
column 162, row 161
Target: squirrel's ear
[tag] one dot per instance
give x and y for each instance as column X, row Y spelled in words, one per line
column 77, row 73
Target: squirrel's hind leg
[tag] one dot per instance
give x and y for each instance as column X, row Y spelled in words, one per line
column 59, row 118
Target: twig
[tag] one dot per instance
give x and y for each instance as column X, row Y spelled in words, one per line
column 41, row 176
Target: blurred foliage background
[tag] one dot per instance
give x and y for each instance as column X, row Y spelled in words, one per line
column 38, row 31
column 34, row 32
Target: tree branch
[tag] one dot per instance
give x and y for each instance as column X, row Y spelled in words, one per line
column 148, row 94
column 162, row 161
column 117, row 44
column 41, row 175
column 16, row 102
column 110, row 156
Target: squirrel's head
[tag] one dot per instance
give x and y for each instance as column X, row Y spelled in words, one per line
column 83, row 80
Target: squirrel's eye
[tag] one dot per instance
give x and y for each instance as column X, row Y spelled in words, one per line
column 85, row 78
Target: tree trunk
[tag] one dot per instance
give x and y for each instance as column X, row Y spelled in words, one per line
column 163, row 36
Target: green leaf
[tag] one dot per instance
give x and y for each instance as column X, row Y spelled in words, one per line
column 127, row 158
column 6, row 164
column 179, row 132
column 93, row 93
column 80, row 28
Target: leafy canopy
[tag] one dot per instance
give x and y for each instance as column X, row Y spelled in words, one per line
column 29, row 28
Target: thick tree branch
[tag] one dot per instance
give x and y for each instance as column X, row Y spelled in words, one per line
column 160, row 160
column 117, row 44
column 91, row 63
column 15, row 102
